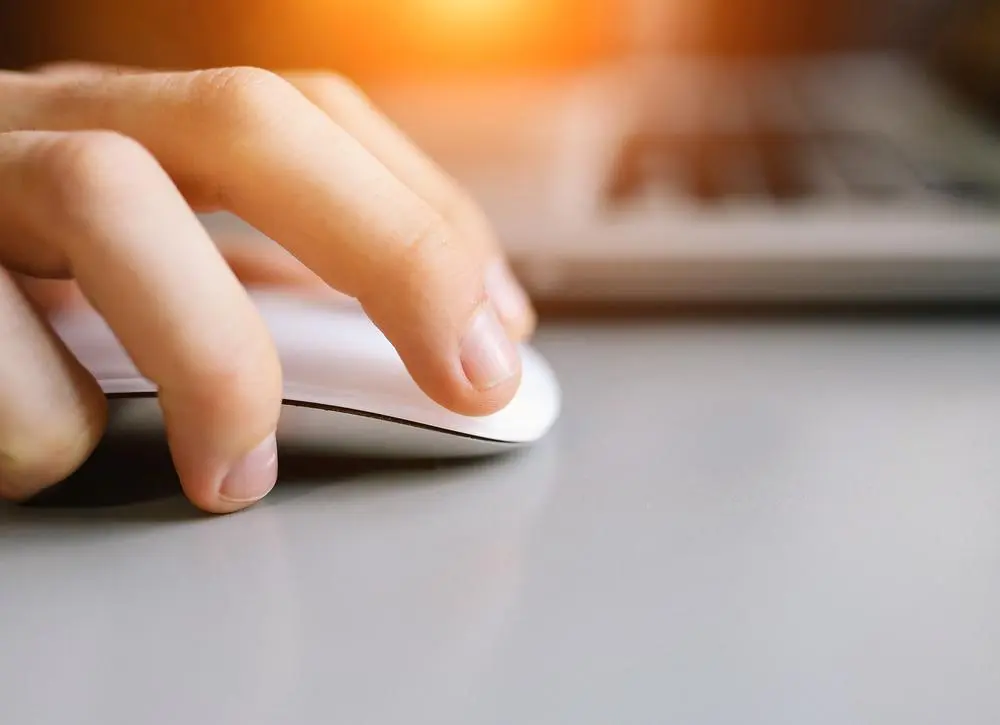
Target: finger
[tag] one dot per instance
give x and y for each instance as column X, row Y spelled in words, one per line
column 353, row 111
column 51, row 295
column 52, row 412
column 82, row 68
column 99, row 202
column 255, row 265
column 248, row 141
column 265, row 265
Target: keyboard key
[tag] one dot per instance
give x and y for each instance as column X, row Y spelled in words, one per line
column 979, row 192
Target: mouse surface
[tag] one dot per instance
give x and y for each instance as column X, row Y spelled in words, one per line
column 346, row 389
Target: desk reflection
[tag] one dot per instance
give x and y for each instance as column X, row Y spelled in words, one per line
column 382, row 589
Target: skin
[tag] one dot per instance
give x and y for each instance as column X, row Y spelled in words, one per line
column 101, row 173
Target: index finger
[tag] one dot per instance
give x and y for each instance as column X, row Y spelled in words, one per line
column 353, row 111
column 248, row 141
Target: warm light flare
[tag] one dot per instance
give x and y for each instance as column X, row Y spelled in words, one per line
column 466, row 26
column 469, row 14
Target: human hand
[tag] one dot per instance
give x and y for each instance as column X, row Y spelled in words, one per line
column 101, row 173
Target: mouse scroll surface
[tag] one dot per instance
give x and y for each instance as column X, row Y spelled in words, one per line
column 345, row 387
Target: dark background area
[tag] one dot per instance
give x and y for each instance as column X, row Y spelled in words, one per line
column 371, row 34
column 366, row 39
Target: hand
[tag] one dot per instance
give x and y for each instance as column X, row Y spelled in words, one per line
column 101, row 173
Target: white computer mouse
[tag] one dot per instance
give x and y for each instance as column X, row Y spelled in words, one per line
column 346, row 389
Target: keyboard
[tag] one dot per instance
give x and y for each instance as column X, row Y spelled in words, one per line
column 774, row 167
column 769, row 137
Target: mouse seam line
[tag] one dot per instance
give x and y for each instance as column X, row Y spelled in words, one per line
column 346, row 411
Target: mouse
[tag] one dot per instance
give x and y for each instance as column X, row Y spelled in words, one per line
column 345, row 388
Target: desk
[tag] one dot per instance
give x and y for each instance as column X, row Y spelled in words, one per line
column 732, row 523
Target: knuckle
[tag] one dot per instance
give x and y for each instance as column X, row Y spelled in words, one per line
column 433, row 277
column 87, row 155
column 429, row 253
column 241, row 96
column 84, row 171
column 237, row 381
column 233, row 389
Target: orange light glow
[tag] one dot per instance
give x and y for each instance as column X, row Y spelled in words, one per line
column 470, row 14
column 466, row 26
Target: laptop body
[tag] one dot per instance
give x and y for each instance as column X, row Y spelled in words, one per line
column 839, row 174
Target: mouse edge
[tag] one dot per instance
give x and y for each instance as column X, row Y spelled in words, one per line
column 354, row 432
column 151, row 396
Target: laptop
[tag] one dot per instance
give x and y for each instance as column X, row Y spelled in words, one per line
column 748, row 151
column 801, row 169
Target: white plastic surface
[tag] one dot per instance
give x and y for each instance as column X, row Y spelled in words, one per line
column 333, row 356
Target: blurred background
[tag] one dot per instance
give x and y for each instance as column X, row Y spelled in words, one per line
column 372, row 39
column 751, row 149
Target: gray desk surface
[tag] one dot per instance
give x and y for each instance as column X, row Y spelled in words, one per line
column 763, row 523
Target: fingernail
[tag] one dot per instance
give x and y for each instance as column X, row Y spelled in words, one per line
column 488, row 356
column 253, row 477
column 511, row 301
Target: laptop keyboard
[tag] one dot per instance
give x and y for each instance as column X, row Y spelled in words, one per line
column 758, row 160
column 782, row 168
